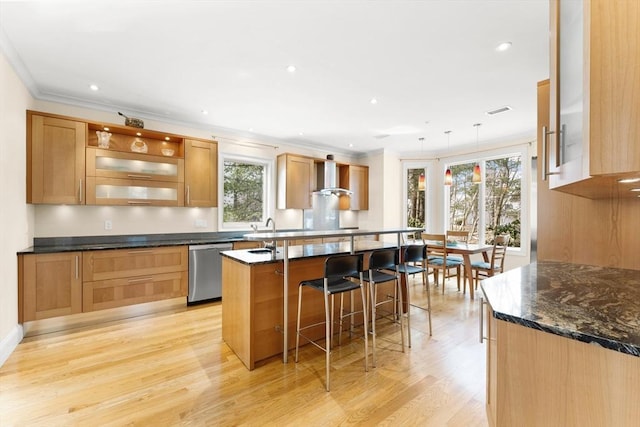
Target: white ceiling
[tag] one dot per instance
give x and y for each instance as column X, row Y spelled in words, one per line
column 424, row 61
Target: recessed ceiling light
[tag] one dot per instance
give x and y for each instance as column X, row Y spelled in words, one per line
column 250, row 129
column 373, row 101
column 94, row 87
column 503, row 46
column 628, row 180
column 499, row 110
column 205, row 112
column 300, row 133
column 291, row 68
column 350, row 145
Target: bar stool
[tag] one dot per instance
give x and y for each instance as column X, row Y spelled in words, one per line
column 413, row 262
column 381, row 263
column 339, row 271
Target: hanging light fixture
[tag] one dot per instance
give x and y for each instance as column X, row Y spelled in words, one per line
column 421, row 179
column 448, row 178
column 477, row 178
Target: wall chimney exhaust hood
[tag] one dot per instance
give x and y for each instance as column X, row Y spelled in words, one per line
column 327, row 174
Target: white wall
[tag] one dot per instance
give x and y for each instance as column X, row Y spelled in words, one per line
column 16, row 217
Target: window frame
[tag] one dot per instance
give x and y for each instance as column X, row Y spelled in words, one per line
column 267, row 189
column 525, row 189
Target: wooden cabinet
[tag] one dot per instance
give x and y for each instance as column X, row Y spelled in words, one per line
column 595, row 97
column 246, row 244
column 133, row 166
column 580, row 230
column 295, row 181
column 356, row 179
column 50, row 285
column 201, row 171
column 115, row 278
column 492, row 363
column 542, row 379
column 55, row 160
column 119, row 178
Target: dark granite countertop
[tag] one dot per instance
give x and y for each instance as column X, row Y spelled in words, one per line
column 250, row 257
column 94, row 243
column 592, row 304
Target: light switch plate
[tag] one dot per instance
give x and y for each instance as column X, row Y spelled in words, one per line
column 108, row 225
column 201, row 223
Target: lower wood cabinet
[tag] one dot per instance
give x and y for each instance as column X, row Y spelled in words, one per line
column 135, row 290
column 60, row 284
column 50, row 285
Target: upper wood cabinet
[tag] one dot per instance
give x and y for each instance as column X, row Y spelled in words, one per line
column 356, row 179
column 295, row 181
column 592, row 140
column 55, row 160
column 50, row 285
column 201, row 173
column 131, row 167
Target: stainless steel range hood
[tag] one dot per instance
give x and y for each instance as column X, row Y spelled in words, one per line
column 328, row 176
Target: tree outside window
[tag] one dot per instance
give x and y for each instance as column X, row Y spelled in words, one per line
column 415, row 197
column 502, row 186
column 244, row 192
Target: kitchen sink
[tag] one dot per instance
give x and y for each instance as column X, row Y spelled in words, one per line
column 260, row 251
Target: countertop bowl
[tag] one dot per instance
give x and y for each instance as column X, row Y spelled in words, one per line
column 167, row 151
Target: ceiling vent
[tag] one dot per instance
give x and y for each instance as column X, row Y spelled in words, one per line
column 381, row 136
column 498, row 110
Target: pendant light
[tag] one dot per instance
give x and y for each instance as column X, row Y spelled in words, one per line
column 421, row 179
column 448, row 178
column 477, row 178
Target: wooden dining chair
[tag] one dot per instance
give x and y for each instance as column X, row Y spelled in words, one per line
column 438, row 259
column 483, row 269
column 457, row 236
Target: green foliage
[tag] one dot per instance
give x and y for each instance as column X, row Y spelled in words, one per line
column 512, row 229
column 243, row 192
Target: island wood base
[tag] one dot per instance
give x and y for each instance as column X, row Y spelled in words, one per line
column 252, row 306
column 536, row 378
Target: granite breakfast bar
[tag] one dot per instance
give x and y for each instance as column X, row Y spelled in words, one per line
column 259, row 292
column 563, row 346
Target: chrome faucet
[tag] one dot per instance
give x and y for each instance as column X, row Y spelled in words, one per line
column 272, row 244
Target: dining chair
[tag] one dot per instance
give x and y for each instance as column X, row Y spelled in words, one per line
column 438, row 259
column 383, row 268
column 455, row 237
column 339, row 272
column 483, row 269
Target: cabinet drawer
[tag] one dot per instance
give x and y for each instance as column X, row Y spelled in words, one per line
column 116, row 191
column 113, row 293
column 130, row 263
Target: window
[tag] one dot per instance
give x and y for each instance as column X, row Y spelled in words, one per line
column 245, row 189
column 415, row 201
column 499, row 193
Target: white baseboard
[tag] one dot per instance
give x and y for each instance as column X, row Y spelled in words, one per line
column 10, row 342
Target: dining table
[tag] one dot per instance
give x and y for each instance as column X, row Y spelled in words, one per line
column 465, row 250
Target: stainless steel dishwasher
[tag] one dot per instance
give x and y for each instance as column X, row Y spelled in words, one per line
column 205, row 272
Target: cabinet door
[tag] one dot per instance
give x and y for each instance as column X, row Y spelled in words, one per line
column 295, row 182
column 492, row 365
column 51, row 285
column 201, row 173
column 55, row 160
column 113, row 293
column 356, row 179
column 133, row 166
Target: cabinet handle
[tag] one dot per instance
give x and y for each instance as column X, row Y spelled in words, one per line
column 482, row 304
column 135, row 176
column 80, row 191
column 77, row 267
column 563, row 132
column 143, row 251
column 188, row 196
column 140, row 279
column 545, row 154
column 136, row 202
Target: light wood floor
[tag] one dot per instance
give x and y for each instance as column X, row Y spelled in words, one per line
column 173, row 368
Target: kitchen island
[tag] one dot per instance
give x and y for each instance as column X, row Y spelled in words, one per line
column 563, row 346
column 259, row 290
